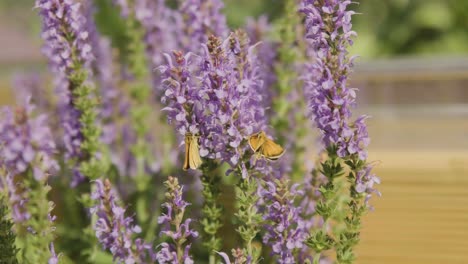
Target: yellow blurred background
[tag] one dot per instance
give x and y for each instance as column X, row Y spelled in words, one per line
column 413, row 80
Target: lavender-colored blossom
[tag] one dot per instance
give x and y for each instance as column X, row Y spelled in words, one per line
column 124, row 7
column 32, row 84
column 201, row 18
column 239, row 257
column 329, row 31
column 175, row 227
column 114, row 230
column 217, row 97
column 365, row 181
column 161, row 25
column 115, row 104
column 285, row 230
column 54, row 259
column 26, row 144
column 67, row 48
column 258, row 32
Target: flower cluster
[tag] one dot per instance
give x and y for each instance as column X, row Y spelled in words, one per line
column 70, row 55
column 330, row 99
column 219, row 98
column 26, row 142
column 329, row 31
column 201, row 19
column 285, row 228
column 258, row 30
column 114, row 230
column 175, row 227
column 26, row 154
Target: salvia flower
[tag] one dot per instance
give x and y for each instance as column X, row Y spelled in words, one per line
column 26, row 142
column 239, row 257
column 258, row 32
column 285, row 230
column 70, row 55
column 329, row 97
column 201, row 19
column 217, row 96
column 114, row 230
column 329, row 31
column 32, row 84
column 175, row 227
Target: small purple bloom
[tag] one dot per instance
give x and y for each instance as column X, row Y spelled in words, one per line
column 285, row 230
column 66, row 45
column 217, row 96
column 328, row 30
column 201, row 19
column 175, row 227
column 114, row 230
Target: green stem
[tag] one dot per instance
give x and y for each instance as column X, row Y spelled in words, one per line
column 317, row 258
column 212, row 210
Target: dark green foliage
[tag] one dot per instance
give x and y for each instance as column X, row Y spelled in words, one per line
column 8, row 248
column 320, row 241
column 212, row 211
column 250, row 220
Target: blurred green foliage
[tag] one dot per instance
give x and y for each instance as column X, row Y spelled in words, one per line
column 386, row 28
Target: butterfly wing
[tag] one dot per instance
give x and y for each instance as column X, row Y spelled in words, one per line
column 194, row 160
column 187, row 151
column 270, row 150
column 256, row 141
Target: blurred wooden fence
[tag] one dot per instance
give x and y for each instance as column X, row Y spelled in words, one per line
column 419, row 132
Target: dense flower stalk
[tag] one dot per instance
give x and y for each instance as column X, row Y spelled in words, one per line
column 161, row 26
column 329, row 31
column 26, row 158
column 115, row 104
column 285, row 230
column 70, row 55
column 328, row 26
column 114, row 230
column 26, row 143
column 216, row 97
column 175, row 227
column 201, row 19
column 259, row 31
column 288, row 104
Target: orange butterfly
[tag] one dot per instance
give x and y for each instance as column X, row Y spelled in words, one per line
column 265, row 147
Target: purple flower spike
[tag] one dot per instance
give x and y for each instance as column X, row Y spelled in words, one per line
column 329, row 97
column 175, row 227
column 202, row 18
column 69, row 52
column 286, row 231
column 217, row 96
column 329, row 31
column 115, row 231
column 26, row 142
